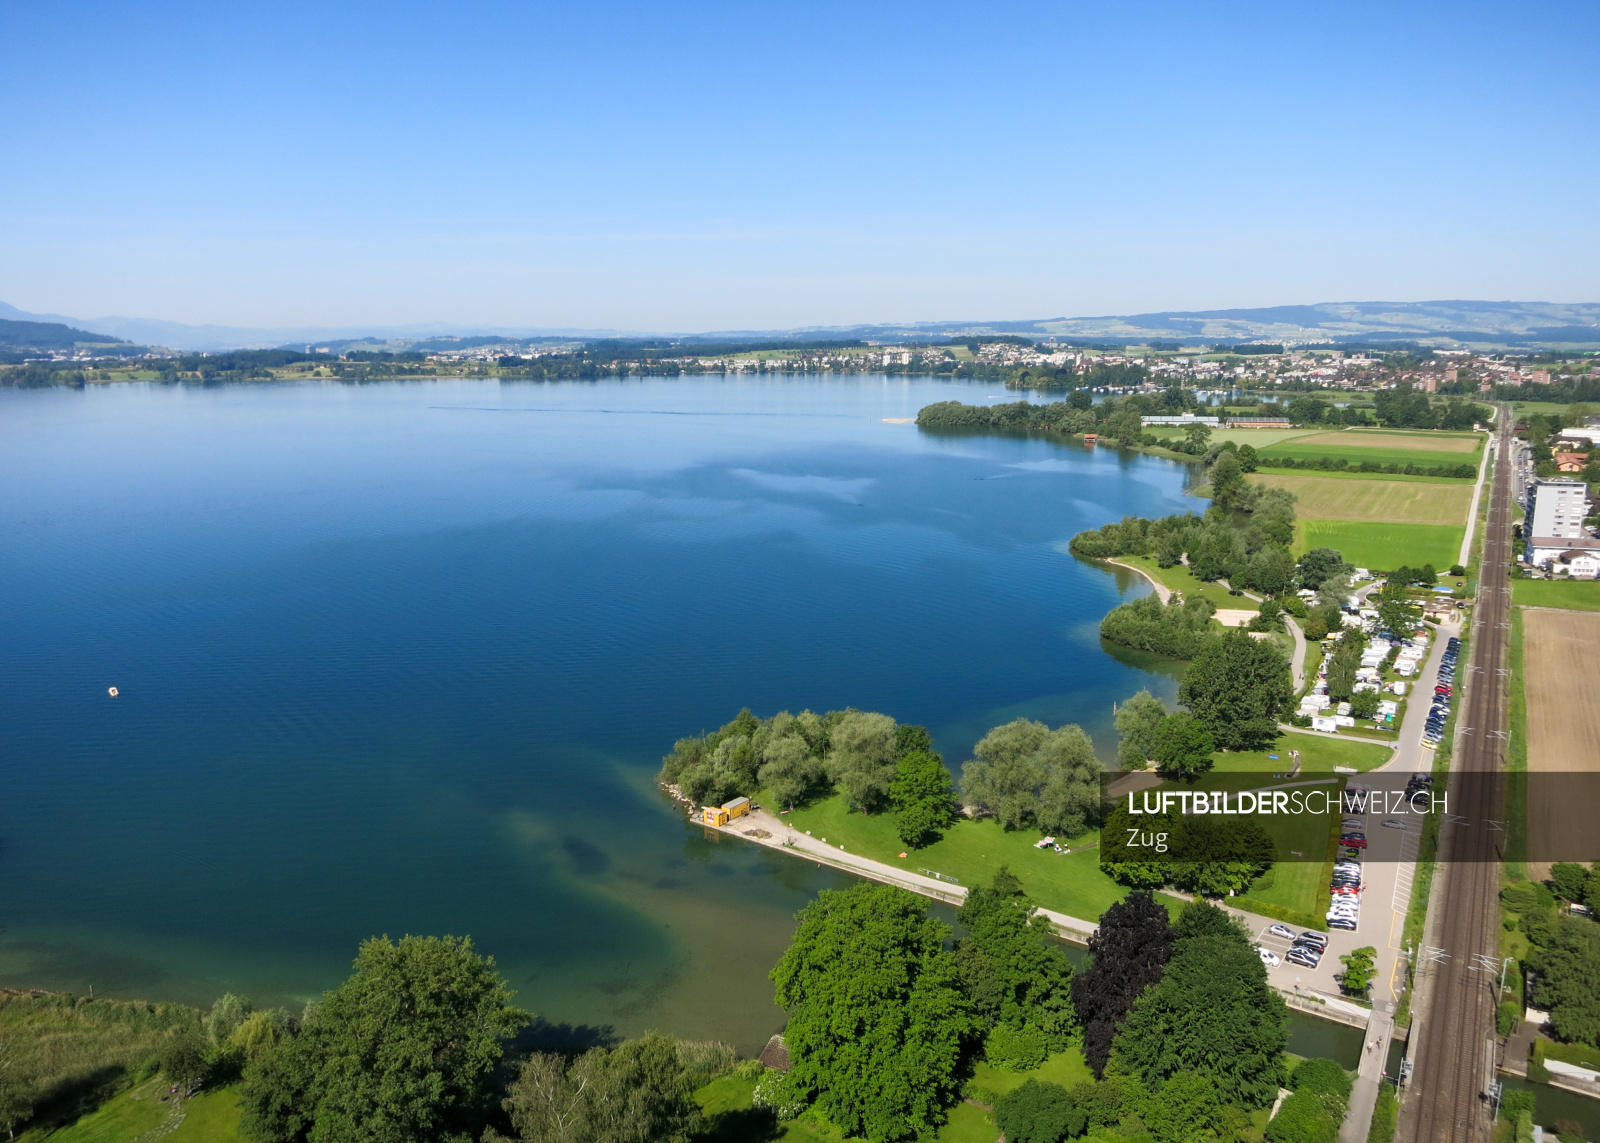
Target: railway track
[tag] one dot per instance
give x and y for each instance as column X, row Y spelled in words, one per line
column 1452, row 1033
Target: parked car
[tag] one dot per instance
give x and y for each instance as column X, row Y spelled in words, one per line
column 1348, row 924
column 1269, row 958
column 1303, row 958
column 1311, row 936
column 1283, row 931
column 1353, row 842
column 1394, row 823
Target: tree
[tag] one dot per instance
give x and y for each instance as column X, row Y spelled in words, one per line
column 1214, row 1014
column 1237, row 687
column 1269, row 618
column 1319, row 565
column 1024, row 772
column 638, row 1092
column 1227, row 480
column 789, row 768
column 1183, row 747
column 227, row 1013
column 402, row 1052
column 1014, row 976
column 1248, row 458
column 1128, row 953
column 1567, row 976
column 923, row 797
column 876, row 1012
column 1039, row 1113
column 15, row 1106
column 1569, row 880
column 1185, row 1110
column 862, row 758
column 1196, row 437
column 1203, row 919
column 1137, row 721
column 1358, row 969
column 183, row 1056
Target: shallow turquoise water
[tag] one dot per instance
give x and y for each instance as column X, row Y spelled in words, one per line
column 404, row 658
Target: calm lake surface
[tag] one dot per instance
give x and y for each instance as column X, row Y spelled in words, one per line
column 403, row 658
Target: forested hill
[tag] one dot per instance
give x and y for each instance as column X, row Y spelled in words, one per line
column 50, row 335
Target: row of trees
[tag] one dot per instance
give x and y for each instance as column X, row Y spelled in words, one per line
column 1342, row 464
column 1405, row 407
column 1178, row 1023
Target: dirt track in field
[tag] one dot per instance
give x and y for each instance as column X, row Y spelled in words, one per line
column 1561, row 679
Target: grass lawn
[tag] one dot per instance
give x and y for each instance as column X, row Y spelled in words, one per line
column 1574, row 595
column 1316, row 754
column 1382, row 447
column 970, row 851
column 1180, row 578
column 1418, row 501
column 211, row 1117
column 1383, row 546
column 1065, row 1068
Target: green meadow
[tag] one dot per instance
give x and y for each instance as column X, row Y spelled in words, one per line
column 1383, row 546
column 1573, row 595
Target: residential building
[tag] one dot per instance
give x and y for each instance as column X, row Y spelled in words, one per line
column 1554, row 523
column 1570, row 461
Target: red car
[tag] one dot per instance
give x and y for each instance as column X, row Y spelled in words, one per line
column 1353, row 842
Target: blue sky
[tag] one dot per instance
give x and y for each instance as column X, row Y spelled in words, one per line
column 715, row 165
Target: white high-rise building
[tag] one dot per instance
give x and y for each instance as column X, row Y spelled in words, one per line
column 1556, row 510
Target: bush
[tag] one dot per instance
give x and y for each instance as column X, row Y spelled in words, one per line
column 1507, row 1017
column 1039, row 1113
column 1303, row 1118
column 777, row 1094
column 1322, row 1077
column 1514, row 1103
column 1016, row 1049
column 1527, row 897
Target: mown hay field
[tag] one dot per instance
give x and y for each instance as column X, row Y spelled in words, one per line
column 1415, row 442
column 1562, row 691
column 1383, row 546
column 1373, row 501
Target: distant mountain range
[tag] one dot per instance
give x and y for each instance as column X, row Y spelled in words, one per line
column 1439, row 324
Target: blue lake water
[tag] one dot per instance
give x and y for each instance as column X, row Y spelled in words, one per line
column 405, row 657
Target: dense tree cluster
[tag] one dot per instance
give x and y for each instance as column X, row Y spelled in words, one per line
column 1129, row 952
column 878, row 764
column 878, row 1016
column 1238, row 687
column 403, row 1050
column 1114, row 418
column 1212, row 1014
column 1176, row 629
column 1026, row 774
column 1018, row 982
column 1315, row 1112
column 1404, row 407
column 1211, row 855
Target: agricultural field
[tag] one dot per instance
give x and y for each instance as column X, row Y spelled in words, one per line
column 1383, row 546
column 1562, row 695
column 1575, row 595
column 1258, row 438
column 1382, row 446
column 1417, row 501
